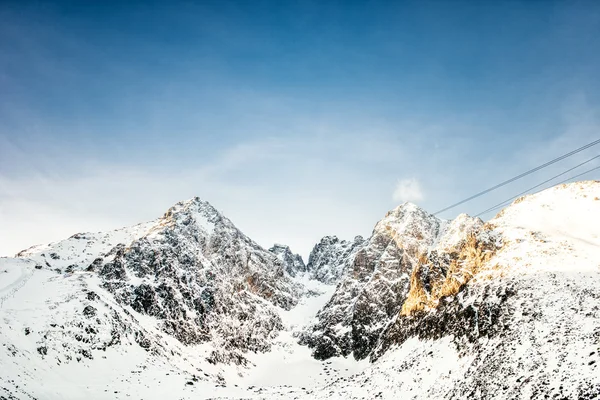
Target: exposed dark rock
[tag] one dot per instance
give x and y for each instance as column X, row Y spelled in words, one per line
column 92, row 296
column 86, row 353
column 293, row 263
column 95, row 265
column 89, row 311
column 71, row 268
column 328, row 258
column 489, row 317
column 199, row 276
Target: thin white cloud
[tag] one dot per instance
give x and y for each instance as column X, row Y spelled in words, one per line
column 321, row 175
column 269, row 188
column 408, row 190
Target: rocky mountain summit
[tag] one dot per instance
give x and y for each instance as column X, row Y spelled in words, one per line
column 375, row 278
column 293, row 262
column 512, row 312
column 204, row 280
column 326, row 260
column 195, row 272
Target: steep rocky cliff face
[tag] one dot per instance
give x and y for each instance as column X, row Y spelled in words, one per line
column 203, row 280
column 293, row 262
column 375, row 279
column 328, row 258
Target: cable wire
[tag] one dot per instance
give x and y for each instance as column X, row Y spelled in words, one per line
column 578, row 175
column 563, row 181
column 520, row 176
column 537, row 186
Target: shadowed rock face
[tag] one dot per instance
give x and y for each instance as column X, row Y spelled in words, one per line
column 375, row 281
column 293, row 262
column 466, row 323
column 496, row 323
column 204, row 280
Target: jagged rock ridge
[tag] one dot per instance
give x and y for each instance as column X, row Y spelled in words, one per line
column 293, row 262
column 375, row 280
column 327, row 259
column 511, row 312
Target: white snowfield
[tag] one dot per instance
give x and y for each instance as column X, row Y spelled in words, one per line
column 549, row 263
column 82, row 248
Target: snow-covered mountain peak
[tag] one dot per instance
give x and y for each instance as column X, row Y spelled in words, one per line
column 407, row 206
column 293, row 262
column 327, row 259
column 193, row 204
column 405, row 217
column 375, row 278
column 198, row 277
column 411, row 227
column 452, row 233
column 523, row 320
column 198, row 211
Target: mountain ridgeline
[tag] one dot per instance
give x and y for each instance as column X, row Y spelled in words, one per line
column 513, row 302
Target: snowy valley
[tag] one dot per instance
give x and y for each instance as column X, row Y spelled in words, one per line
column 188, row 307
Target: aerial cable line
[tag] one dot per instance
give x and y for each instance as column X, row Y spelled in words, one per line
column 502, row 203
column 563, row 181
column 520, row 176
column 578, row 175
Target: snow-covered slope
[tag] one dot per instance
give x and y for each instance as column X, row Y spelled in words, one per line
column 80, row 250
column 65, row 337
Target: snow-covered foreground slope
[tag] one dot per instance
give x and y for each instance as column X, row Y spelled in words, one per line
column 526, row 324
column 64, row 337
column 81, row 249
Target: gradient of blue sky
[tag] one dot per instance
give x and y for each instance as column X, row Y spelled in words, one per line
column 295, row 118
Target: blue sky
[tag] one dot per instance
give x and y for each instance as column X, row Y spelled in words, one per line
column 296, row 119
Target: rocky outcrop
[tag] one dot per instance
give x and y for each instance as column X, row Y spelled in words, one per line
column 293, row 263
column 329, row 257
column 376, row 280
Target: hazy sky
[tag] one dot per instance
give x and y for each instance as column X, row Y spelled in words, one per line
column 297, row 119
